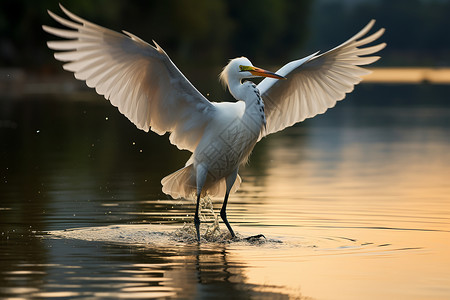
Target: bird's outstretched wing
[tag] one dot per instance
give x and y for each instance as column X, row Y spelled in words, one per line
column 138, row 78
column 316, row 82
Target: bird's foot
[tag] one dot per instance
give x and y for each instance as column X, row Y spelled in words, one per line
column 255, row 238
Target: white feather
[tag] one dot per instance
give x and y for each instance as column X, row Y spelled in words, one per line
column 147, row 87
column 316, row 82
column 138, row 78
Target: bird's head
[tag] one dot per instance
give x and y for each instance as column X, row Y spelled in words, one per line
column 241, row 68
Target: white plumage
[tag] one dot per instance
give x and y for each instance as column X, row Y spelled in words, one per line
column 316, row 82
column 147, row 87
column 138, row 78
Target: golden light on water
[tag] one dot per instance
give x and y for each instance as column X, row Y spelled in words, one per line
column 354, row 204
column 389, row 197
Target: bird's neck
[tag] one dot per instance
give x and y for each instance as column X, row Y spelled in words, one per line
column 246, row 91
column 254, row 105
column 234, row 86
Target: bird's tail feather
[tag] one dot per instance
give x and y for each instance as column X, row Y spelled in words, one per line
column 182, row 184
column 219, row 188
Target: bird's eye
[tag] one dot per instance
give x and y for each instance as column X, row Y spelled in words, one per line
column 244, row 68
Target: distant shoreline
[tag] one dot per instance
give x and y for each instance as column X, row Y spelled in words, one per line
column 409, row 75
column 18, row 82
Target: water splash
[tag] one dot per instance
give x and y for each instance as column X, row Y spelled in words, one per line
column 209, row 226
column 150, row 234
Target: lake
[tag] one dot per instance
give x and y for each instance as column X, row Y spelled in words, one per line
column 354, row 204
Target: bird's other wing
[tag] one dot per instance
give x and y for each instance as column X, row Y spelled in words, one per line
column 316, row 82
column 138, row 78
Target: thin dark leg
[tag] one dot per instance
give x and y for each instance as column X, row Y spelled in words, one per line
column 223, row 215
column 202, row 172
column 197, row 219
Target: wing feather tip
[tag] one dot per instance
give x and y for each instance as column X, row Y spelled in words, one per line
column 369, row 60
column 46, row 28
column 52, row 14
column 65, row 10
column 158, row 48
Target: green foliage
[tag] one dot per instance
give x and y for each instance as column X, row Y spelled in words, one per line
column 416, row 30
column 270, row 32
column 207, row 31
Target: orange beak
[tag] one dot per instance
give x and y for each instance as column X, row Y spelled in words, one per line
column 264, row 73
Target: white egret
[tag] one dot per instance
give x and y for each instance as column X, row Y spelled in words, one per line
column 147, row 87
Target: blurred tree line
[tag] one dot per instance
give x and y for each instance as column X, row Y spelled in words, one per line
column 417, row 31
column 206, row 31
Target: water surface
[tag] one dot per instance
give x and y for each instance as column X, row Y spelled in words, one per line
column 354, row 204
